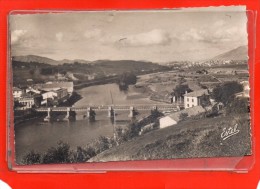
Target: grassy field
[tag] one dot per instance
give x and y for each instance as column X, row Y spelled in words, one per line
column 191, row 138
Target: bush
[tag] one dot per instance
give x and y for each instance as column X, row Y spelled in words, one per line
column 183, row 116
column 60, row 154
column 82, row 155
column 225, row 93
column 238, row 106
column 101, row 144
column 126, row 79
column 31, row 158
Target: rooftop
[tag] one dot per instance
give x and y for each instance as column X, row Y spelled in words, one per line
column 197, row 93
column 192, row 111
column 16, row 89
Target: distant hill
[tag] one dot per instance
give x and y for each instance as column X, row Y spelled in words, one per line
column 239, row 53
column 42, row 69
column 34, row 58
column 40, row 59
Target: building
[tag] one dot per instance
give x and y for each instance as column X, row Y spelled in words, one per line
column 32, row 90
column 27, row 102
column 48, row 95
column 17, row 92
column 246, row 90
column 52, row 86
column 195, row 98
column 62, row 94
column 169, row 120
column 174, row 118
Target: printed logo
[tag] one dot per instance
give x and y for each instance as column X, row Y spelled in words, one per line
column 228, row 132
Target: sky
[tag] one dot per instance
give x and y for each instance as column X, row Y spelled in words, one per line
column 157, row 36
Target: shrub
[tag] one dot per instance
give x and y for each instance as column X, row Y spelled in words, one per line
column 238, row 106
column 31, row 158
column 60, row 154
column 225, row 93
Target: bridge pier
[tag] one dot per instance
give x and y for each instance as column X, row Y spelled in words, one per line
column 67, row 114
column 48, row 117
column 110, row 112
column 132, row 112
column 91, row 114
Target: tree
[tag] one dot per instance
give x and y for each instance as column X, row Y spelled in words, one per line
column 82, row 155
column 225, row 93
column 180, row 90
column 126, row 79
column 102, row 144
column 204, row 100
column 132, row 131
column 60, row 154
column 31, row 158
column 238, row 106
column 155, row 113
column 183, row 116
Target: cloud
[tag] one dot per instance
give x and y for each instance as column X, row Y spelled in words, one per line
column 17, row 35
column 59, row 36
column 214, row 34
column 92, row 33
column 153, row 37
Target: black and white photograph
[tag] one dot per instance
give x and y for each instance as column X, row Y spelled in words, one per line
column 108, row 86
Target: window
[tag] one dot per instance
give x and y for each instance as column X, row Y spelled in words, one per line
column 188, row 105
column 192, row 100
column 187, row 99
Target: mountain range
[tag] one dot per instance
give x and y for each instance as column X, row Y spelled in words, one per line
column 240, row 53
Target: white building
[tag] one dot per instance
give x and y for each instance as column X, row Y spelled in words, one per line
column 174, row 118
column 27, row 103
column 17, row 93
column 246, row 90
column 52, row 86
column 30, row 89
column 169, row 120
column 194, row 98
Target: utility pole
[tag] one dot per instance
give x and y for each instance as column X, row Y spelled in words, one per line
column 114, row 115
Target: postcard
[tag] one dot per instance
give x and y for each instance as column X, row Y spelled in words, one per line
column 101, row 86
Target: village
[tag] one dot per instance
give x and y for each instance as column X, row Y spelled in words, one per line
column 189, row 93
column 46, row 94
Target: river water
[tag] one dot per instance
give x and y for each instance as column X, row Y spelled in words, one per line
column 40, row 136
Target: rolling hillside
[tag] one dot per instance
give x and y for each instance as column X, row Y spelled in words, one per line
column 239, row 53
column 42, row 69
column 191, row 138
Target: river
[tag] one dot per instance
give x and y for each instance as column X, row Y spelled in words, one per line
column 40, row 136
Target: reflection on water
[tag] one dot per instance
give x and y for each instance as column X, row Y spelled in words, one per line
column 38, row 135
column 110, row 94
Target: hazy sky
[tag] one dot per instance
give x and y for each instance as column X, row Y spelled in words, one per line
column 158, row 36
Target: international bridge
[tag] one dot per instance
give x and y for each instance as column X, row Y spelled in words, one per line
column 111, row 109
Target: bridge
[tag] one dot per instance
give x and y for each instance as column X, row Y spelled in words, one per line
column 110, row 109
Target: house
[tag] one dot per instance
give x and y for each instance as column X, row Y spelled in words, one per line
column 32, row 90
column 52, row 86
column 246, row 90
column 62, row 93
column 195, row 98
column 174, row 118
column 169, row 120
column 26, row 101
column 17, row 92
column 48, row 95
